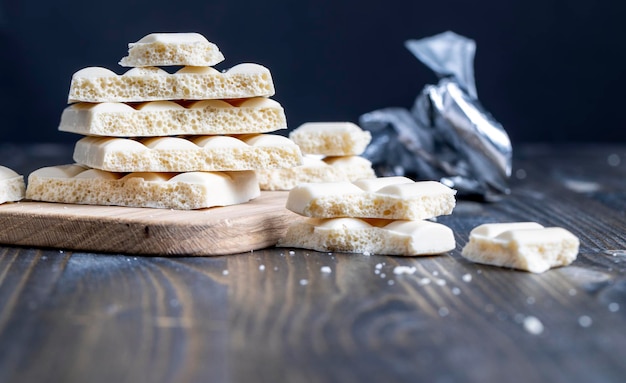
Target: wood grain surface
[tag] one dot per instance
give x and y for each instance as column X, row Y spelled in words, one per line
column 215, row 231
column 274, row 315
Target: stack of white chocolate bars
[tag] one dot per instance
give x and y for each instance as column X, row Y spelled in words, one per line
column 386, row 215
column 187, row 140
column 332, row 152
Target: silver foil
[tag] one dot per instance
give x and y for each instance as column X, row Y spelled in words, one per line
column 447, row 135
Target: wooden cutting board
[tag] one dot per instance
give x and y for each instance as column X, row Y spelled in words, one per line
column 215, row 231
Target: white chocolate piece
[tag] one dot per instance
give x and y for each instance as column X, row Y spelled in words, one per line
column 331, row 138
column 185, row 191
column 521, row 245
column 354, row 167
column 194, row 153
column 163, row 49
column 314, row 169
column 353, row 235
column 167, row 118
column 11, row 185
column 373, row 198
column 96, row 84
column 374, row 185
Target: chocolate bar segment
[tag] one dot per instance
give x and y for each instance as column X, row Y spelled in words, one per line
column 331, row 138
column 11, row 185
column 315, row 169
column 96, row 84
column 168, row 118
column 182, row 154
column 182, row 191
column 353, row 235
column 521, row 245
column 385, row 197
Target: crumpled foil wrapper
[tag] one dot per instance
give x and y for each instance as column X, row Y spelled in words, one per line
column 447, row 135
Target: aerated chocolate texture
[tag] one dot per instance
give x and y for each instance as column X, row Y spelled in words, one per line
column 193, row 190
column 386, row 197
column 96, row 84
column 164, row 49
column 356, row 235
column 11, row 185
column 314, row 169
column 332, row 153
column 381, row 215
column 177, row 154
column 331, row 138
column 167, row 118
column 521, row 245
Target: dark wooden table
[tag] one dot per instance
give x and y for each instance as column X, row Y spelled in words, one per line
column 274, row 316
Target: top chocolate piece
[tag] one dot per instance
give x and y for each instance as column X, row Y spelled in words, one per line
column 165, row 49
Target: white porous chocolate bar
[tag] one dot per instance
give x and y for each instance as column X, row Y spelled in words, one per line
column 331, row 138
column 185, row 191
column 163, row 49
column 521, row 245
column 385, row 197
column 353, row 235
column 167, row 118
column 11, row 185
column 96, row 84
column 314, row 169
column 194, row 153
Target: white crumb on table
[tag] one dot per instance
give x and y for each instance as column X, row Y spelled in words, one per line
column 585, row 321
column 533, row 325
column 398, row 270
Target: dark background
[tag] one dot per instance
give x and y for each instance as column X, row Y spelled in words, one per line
column 548, row 70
